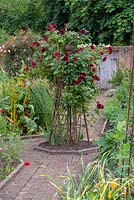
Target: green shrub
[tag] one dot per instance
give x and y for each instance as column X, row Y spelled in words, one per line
column 4, row 36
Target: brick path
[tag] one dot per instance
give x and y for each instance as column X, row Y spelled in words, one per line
column 28, row 185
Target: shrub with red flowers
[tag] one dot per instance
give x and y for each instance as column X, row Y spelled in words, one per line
column 69, row 61
column 16, row 50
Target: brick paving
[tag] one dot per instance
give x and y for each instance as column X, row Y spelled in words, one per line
column 29, row 185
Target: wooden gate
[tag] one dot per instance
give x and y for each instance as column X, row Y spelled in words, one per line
column 107, row 69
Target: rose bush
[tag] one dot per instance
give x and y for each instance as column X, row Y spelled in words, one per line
column 69, row 61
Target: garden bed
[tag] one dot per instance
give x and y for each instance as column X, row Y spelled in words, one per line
column 82, row 147
column 17, row 165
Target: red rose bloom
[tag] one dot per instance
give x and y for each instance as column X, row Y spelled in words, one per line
column 33, row 64
column 92, row 46
column 56, row 54
column 78, row 81
column 104, row 59
column 94, row 68
column 97, row 78
column 102, row 53
column 83, row 31
column 99, row 105
column 110, row 50
column 62, row 31
column 27, row 69
column 52, row 27
column 66, row 57
column 83, row 75
column 27, row 163
column 2, row 111
column 43, row 50
column 75, row 59
column 45, row 38
column 132, row 194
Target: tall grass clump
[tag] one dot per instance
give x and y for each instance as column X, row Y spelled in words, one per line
column 42, row 101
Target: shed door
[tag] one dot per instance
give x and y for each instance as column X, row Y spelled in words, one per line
column 107, row 69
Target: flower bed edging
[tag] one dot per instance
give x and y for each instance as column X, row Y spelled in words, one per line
column 12, row 174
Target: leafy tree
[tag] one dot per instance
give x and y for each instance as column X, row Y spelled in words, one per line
column 108, row 21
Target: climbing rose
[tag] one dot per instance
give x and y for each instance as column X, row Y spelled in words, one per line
column 110, row 50
column 104, row 59
column 27, row 163
column 83, row 31
column 45, row 38
column 62, row 31
column 52, row 27
column 56, row 54
column 94, row 68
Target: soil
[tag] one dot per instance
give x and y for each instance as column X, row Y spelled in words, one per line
column 68, row 147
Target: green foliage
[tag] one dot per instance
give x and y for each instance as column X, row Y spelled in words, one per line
column 95, row 182
column 4, row 36
column 41, row 99
column 119, row 77
column 55, row 12
column 113, row 150
column 10, row 149
column 18, row 15
column 116, row 108
column 107, row 21
column 16, row 107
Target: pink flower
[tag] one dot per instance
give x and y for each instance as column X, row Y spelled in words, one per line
column 110, row 50
column 2, row 110
column 45, row 38
column 104, row 59
column 75, row 59
column 27, row 163
column 83, row 31
column 56, row 54
column 52, row 27
column 62, row 31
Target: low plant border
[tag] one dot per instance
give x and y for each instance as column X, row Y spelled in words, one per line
column 12, row 174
